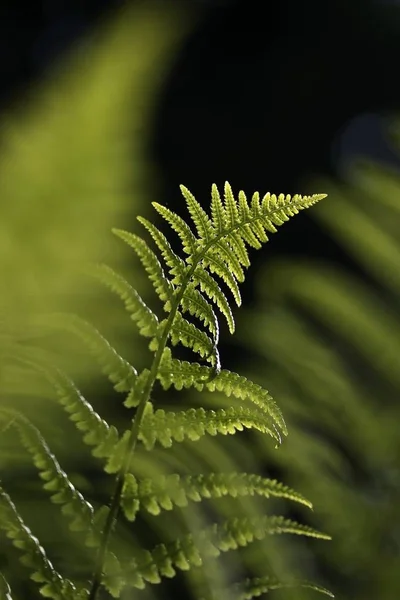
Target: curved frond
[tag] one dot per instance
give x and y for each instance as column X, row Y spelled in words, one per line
column 190, row 550
column 177, row 266
column 181, row 374
column 119, row 371
column 162, row 285
column 222, row 240
column 141, row 314
column 210, row 288
column 186, row 333
column 168, row 427
column 196, row 305
column 216, row 265
column 104, row 438
column 217, row 247
column 232, row 217
column 183, row 230
column 173, row 490
column 79, row 511
column 52, row 584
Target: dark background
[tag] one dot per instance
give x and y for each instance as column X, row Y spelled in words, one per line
column 264, row 94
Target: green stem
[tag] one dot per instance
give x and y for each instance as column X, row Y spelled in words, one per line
column 134, row 435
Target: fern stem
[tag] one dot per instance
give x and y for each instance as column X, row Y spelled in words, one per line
column 134, row 435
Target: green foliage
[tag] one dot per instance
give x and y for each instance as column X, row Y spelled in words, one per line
column 70, row 166
column 188, row 288
column 330, row 339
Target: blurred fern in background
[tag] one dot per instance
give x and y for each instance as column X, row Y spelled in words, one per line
column 327, row 341
column 73, row 164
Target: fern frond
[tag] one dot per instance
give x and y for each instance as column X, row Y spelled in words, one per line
column 257, row 586
column 210, row 288
column 118, row 370
column 217, row 210
column 168, row 427
column 180, row 227
column 221, row 251
column 177, row 266
column 141, row 314
column 185, row 374
column 239, row 224
column 230, row 206
column 52, row 584
column 104, row 438
column 57, row 482
column 186, row 333
column 196, row 305
column 161, row 283
column 189, row 551
column 219, row 248
column 216, row 265
column 199, row 216
column 221, row 240
column 173, row 490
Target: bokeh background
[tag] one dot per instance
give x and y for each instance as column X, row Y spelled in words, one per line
column 101, row 115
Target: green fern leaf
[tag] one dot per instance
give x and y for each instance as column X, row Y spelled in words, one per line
column 57, row 482
column 210, row 288
column 162, row 285
column 216, row 265
column 52, row 584
column 168, row 427
column 190, row 336
column 218, row 248
column 184, row 374
column 199, row 216
column 231, row 208
column 221, row 250
column 119, row 371
column 114, row 582
column 195, row 304
column 177, row 266
column 221, row 243
column 190, row 550
column 217, row 210
column 144, row 317
column 237, row 244
column 173, row 490
column 117, row 456
column 97, row 432
column 179, row 226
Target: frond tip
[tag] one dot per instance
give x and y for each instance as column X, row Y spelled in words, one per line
column 214, row 249
column 218, row 244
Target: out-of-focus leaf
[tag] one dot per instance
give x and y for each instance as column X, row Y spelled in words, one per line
column 73, row 165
